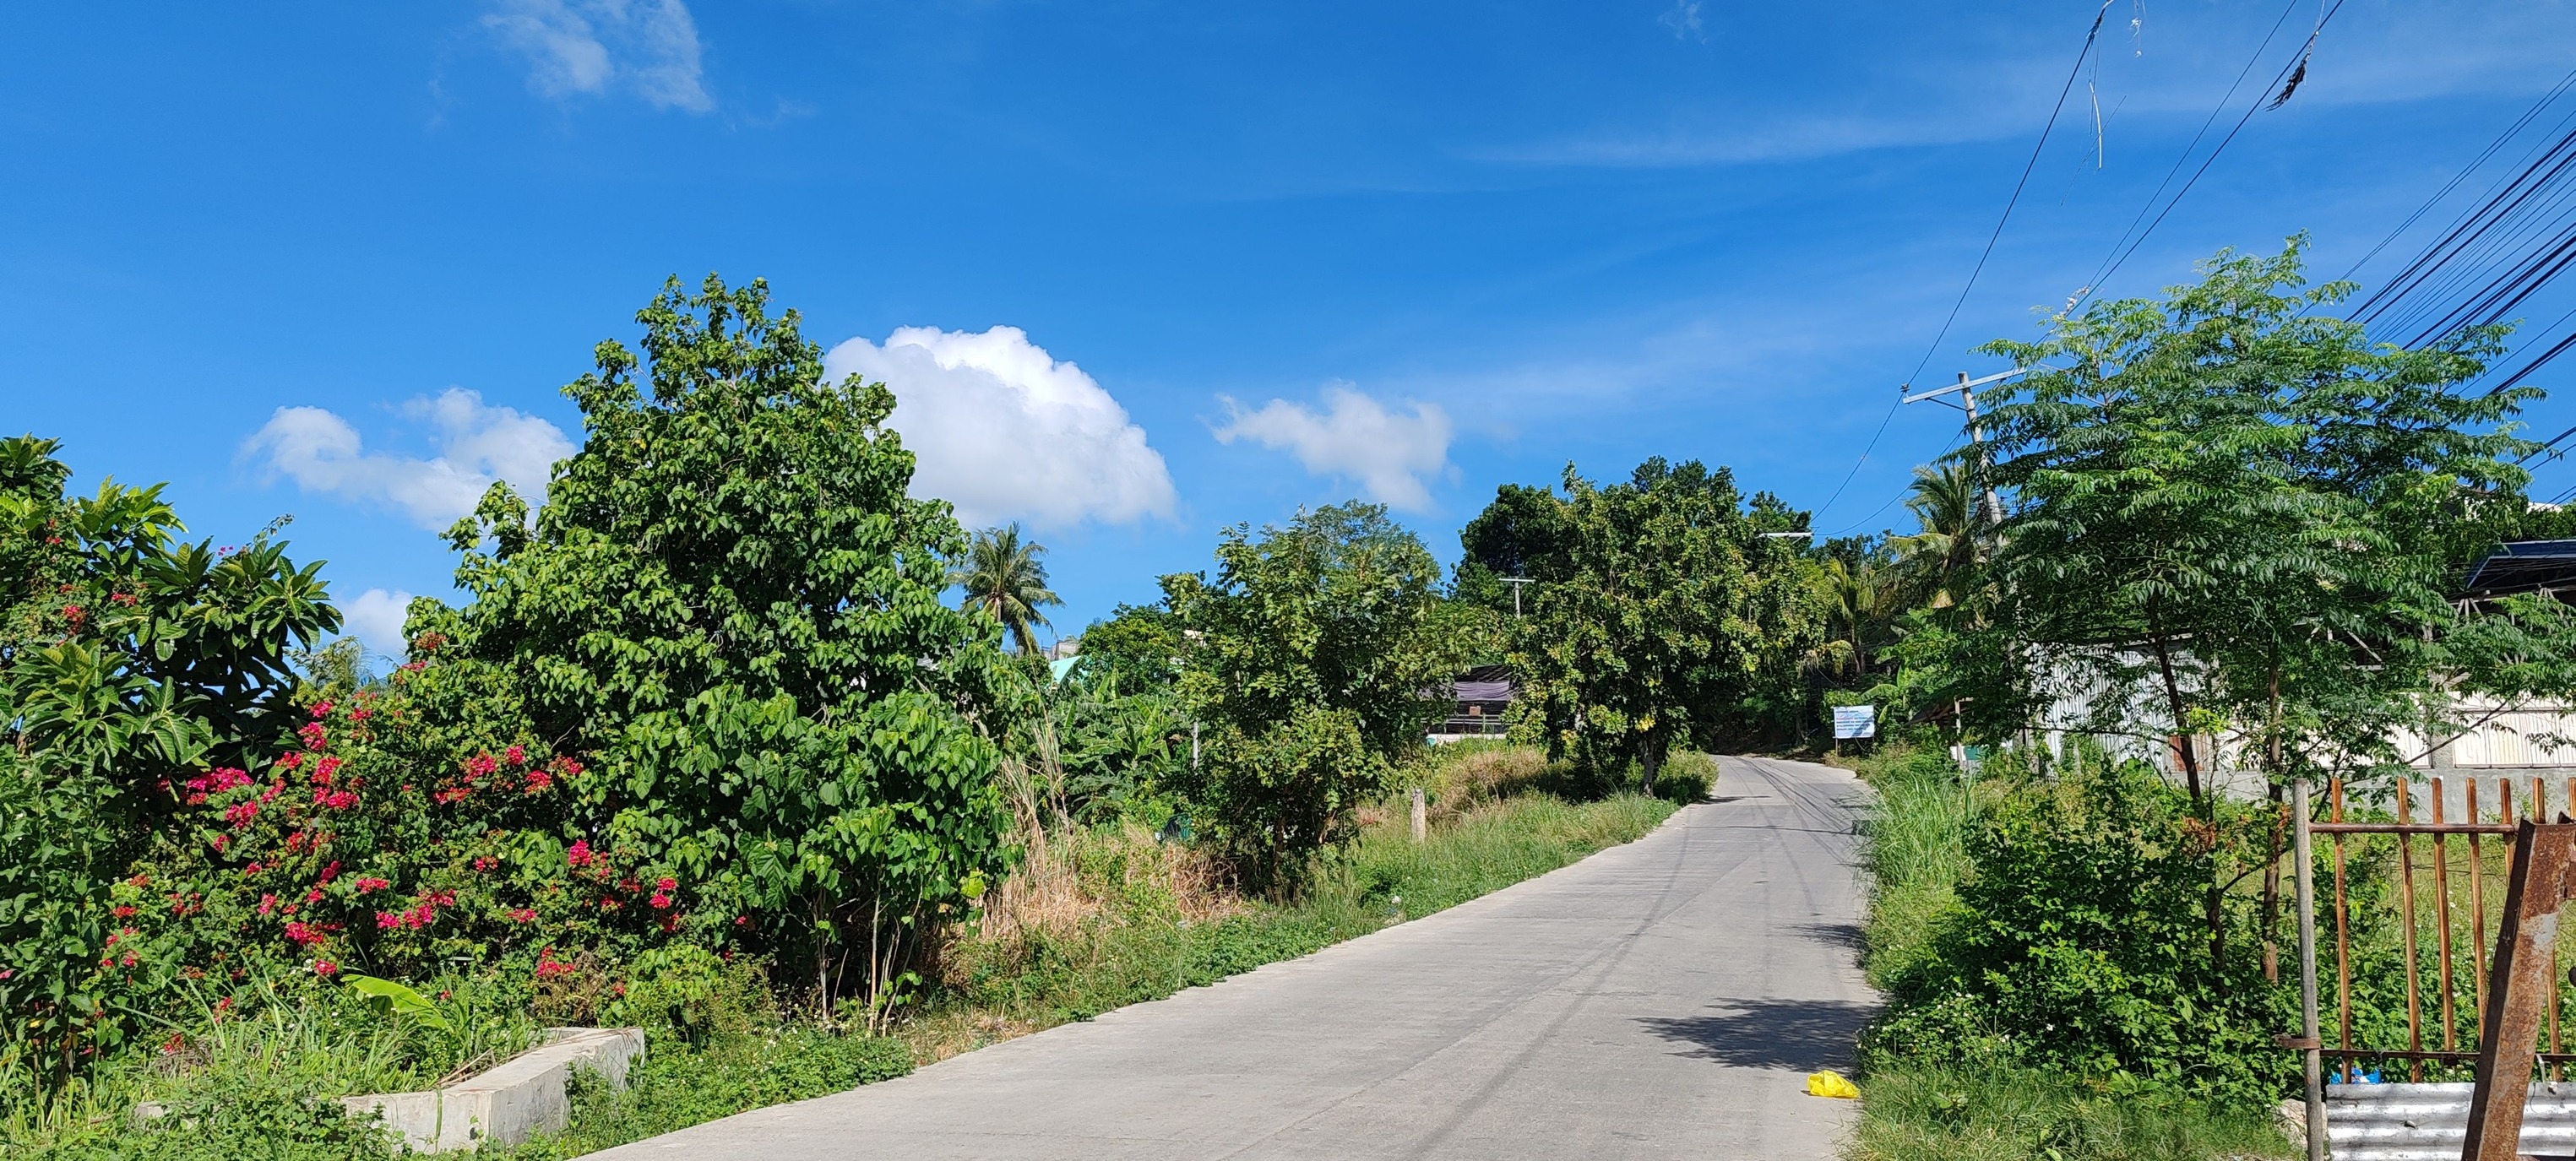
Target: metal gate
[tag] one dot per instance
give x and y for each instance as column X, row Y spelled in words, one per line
column 2512, row 982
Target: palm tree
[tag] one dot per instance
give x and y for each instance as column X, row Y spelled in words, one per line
column 1003, row 576
column 1858, row 597
column 1954, row 540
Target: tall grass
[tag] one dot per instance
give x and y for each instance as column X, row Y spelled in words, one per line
column 1918, row 852
column 258, row 1083
column 2005, row 1114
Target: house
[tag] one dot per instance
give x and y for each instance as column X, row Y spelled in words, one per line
column 1478, row 699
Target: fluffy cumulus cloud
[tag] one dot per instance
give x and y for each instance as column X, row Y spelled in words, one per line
column 376, row 617
column 645, row 47
column 477, row 444
column 1005, row 431
column 1392, row 454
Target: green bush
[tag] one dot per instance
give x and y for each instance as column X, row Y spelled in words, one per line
column 1686, row 777
column 2077, row 941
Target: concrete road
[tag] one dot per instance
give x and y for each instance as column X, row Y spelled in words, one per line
column 1663, row 999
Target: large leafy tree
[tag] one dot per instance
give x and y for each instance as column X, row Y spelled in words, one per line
column 1308, row 655
column 1005, row 577
column 2236, row 516
column 1669, row 619
column 733, row 605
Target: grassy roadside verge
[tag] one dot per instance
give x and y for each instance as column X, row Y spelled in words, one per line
column 1966, row 1108
column 1096, row 918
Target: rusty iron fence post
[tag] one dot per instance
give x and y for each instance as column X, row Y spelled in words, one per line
column 2518, row 985
column 2311, row 1035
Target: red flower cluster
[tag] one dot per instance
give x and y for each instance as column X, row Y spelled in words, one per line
column 214, row 782
column 314, row 736
column 548, row 967
column 371, row 884
column 579, row 855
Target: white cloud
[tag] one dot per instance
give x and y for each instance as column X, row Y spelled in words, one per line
column 1002, row 430
column 1389, row 453
column 376, row 618
column 1683, row 19
column 477, row 445
column 648, row 47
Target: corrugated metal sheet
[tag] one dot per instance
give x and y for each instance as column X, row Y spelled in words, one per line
column 2428, row 1122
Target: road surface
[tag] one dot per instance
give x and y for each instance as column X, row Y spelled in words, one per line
column 1662, row 999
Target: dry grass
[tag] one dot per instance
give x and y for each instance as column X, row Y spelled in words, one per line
column 1071, row 880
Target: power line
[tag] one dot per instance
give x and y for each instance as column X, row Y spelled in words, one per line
column 2015, row 199
column 2239, row 127
column 2090, row 36
column 2102, row 271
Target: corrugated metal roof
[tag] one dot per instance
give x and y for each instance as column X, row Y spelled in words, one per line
column 2429, row 1122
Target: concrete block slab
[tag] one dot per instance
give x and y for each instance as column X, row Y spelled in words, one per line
column 510, row 1102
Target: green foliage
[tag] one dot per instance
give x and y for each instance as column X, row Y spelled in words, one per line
column 1140, row 646
column 2075, row 942
column 1687, row 777
column 1666, row 620
column 1004, row 577
column 2239, row 502
column 127, row 662
column 1307, row 659
column 732, row 607
column 1935, row 1113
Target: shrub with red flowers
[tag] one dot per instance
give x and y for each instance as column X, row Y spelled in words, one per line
column 359, row 851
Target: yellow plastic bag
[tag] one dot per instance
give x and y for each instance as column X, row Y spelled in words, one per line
column 1831, row 1084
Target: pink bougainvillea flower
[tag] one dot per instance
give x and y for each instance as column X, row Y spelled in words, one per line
column 330, row 872
column 372, row 884
column 314, row 735
column 524, row 915
column 579, row 855
column 666, row 884
column 515, row 755
column 539, row 780
column 484, row 864
column 324, row 967
column 661, row 902
column 321, row 709
column 323, row 770
column 290, row 760
column 267, row 903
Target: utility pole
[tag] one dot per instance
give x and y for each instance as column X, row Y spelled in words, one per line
column 1516, row 582
column 1990, row 509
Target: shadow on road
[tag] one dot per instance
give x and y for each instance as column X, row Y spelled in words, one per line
column 1798, row 1035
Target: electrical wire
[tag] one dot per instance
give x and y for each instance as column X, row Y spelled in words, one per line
column 2257, row 106
column 2091, row 36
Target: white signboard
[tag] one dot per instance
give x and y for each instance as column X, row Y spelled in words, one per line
column 1855, row 721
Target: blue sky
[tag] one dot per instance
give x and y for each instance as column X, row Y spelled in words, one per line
column 1293, row 253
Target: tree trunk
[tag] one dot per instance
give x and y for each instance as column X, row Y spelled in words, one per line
column 2212, row 906
column 2280, row 822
